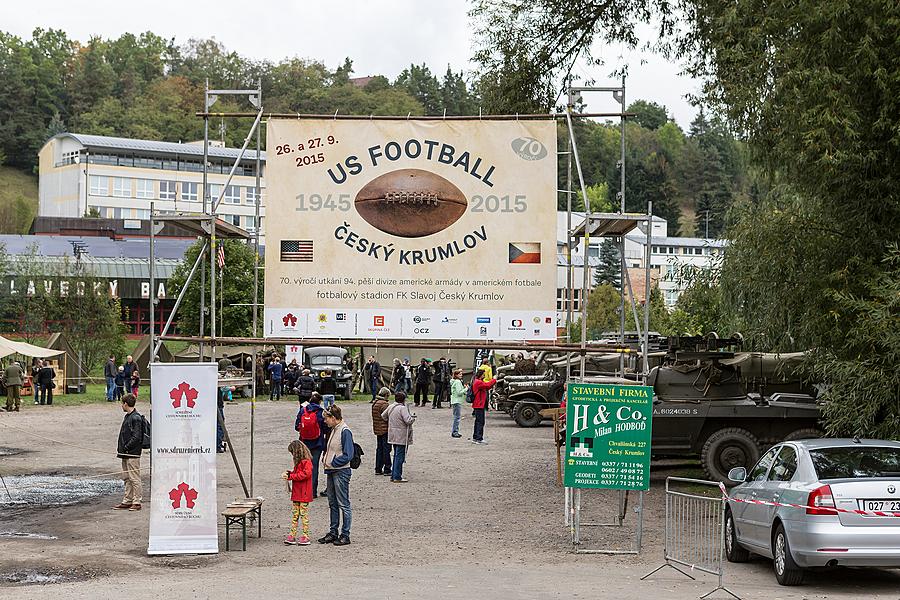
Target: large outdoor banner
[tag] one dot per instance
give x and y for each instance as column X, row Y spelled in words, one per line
column 608, row 431
column 183, row 513
column 411, row 229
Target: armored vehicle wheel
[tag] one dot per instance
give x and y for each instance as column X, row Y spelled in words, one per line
column 728, row 448
column 347, row 394
column 527, row 414
column 804, row 434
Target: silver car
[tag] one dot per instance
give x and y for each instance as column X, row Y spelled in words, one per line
column 860, row 476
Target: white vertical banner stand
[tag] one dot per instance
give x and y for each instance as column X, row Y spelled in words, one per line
column 183, row 514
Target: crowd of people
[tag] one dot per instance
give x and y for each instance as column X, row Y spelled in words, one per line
column 278, row 378
column 326, row 443
column 42, row 381
column 122, row 379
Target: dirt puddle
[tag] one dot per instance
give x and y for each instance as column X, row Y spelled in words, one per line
column 53, row 490
column 23, row 577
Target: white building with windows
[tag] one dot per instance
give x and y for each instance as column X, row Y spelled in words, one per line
column 669, row 259
column 117, row 178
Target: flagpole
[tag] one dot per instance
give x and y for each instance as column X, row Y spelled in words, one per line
column 221, row 261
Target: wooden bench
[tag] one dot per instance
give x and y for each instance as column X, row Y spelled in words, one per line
column 237, row 512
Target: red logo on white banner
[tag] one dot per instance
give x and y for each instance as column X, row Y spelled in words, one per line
column 184, row 390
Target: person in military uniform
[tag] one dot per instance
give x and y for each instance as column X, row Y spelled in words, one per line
column 423, row 376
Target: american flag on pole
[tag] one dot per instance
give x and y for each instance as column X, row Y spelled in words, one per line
column 220, row 256
column 296, row 251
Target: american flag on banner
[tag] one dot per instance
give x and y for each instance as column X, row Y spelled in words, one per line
column 296, row 251
column 220, row 256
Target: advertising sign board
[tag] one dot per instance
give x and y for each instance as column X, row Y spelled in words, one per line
column 183, row 516
column 411, row 229
column 608, row 430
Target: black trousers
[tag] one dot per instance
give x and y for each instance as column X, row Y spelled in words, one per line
column 423, row 390
column 47, row 393
column 382, row 455
column 478, row 433
column 439, row 389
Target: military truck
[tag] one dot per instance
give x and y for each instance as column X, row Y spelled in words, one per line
column 705, row 410
column 724, row 407
column 331, row 358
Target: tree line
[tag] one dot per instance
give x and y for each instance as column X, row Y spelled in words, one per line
column 145, row 86
column 814, row 96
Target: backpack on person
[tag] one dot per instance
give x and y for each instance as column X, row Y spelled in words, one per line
column 470, row 393
column 357, row 456
column 309, row 425
column 147, row 441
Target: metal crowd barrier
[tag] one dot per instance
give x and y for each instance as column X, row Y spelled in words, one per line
column 695, row 531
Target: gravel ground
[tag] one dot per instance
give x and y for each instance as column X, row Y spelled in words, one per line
column 472, row 521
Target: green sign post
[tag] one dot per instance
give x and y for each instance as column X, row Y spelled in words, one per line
column 608, row 431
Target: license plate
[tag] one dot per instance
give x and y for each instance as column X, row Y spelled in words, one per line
column 880, row 505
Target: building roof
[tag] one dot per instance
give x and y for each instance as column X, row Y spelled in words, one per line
column 680, row 241
column 110, row 268
column 103, row 142
column 94, row 247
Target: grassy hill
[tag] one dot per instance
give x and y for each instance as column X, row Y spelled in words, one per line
column 18, row 200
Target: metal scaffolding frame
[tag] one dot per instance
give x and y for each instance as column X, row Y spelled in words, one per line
column 610, row 226
column 206, row 225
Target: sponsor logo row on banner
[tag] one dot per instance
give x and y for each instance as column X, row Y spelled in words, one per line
column 422, row 324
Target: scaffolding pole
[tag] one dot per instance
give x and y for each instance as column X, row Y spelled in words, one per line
column 257, row 226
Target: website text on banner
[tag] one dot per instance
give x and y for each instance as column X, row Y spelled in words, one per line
column 411, row 229
column 183, row 511
column 608, row 429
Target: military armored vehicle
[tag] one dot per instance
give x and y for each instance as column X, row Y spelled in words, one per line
column 525, row 396
column 706, row 410
column 722, row 406
column 331, row 358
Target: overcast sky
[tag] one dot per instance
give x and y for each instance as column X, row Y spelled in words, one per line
column 380, row 36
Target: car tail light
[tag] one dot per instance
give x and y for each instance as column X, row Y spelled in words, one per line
column 821, row 501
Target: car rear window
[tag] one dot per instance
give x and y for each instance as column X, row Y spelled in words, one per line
column 324, row 359
column 856, row 462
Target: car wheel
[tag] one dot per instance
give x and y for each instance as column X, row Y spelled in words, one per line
column 728, row 448
column 786, row 570
column 734, row 552
column 527, row 415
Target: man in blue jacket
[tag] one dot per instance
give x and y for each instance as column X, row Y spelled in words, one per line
column 338, row 453
column 276, row 371
column 109, row 372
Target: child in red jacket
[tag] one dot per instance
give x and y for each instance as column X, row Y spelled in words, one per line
column 301, row 492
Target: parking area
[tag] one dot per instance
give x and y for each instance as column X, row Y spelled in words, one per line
column 473, row 521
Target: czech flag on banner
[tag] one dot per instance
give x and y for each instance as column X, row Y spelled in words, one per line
column 524, row 253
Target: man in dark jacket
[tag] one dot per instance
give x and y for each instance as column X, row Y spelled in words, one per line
column 306, row 385
column 130, row 366
column 327, row 388
column 46, row 377
column 316, row 445
column 423, row 376
column 441, row 381
column 131, row 438
column 398, row 377
column 109, row 372
column 374, row 375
